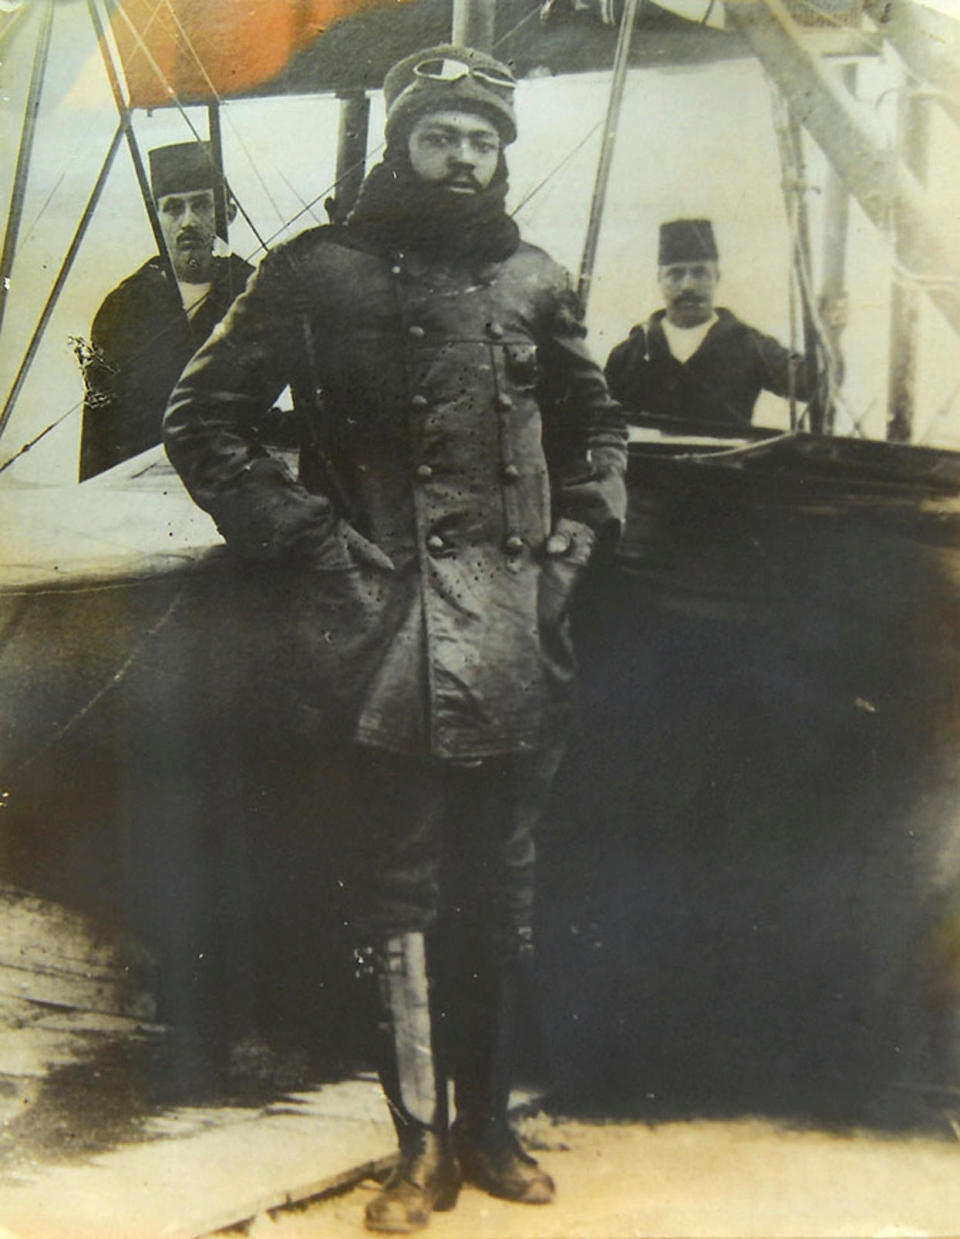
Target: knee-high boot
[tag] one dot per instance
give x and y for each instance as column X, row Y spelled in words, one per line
column 489, row 1153
column 426, row 1176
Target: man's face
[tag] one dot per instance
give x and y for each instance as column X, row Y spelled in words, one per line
column 688, row 290
column 187, row 224
column 456, row 151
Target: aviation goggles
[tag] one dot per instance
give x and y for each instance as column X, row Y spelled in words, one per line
column 444, row 69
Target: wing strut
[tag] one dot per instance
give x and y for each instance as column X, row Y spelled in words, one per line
column 913, row 139
column 58, row 283
column 19, row 193
column 137, row 159
column 618, row 81
column 856, row 147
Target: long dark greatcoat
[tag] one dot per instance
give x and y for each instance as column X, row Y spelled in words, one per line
column 443, row 405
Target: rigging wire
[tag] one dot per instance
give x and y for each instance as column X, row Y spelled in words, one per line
column 534, row 12
column 331, row 188
column 43, row 208
column 64, row 729
column 175, row 99
column 552, row 173
column 26, row 447
column 941, row 411
column 75, row 408
column 22, row 451
column 78, row 406
column 219, row 101
column 265, row 242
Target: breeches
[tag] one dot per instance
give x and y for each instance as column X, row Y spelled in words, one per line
column 441, row 841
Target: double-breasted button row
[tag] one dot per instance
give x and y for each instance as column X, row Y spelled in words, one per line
column 513, row 545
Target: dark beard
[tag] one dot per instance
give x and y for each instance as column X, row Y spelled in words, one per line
column 398, row 209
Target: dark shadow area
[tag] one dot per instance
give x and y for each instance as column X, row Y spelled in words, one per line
column 748, row 883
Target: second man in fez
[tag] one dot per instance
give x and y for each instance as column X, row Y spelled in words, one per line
column 695, row 360
column 465, row 459
column 150, row 326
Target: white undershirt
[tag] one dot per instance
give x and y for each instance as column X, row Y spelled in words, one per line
column 684, row 341
column 192, row 294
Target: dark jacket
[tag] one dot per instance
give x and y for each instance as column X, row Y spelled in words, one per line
column 140, row 341
column 452, row 403
column 719, row 383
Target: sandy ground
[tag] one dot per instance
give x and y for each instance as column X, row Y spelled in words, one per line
column 736, row 1180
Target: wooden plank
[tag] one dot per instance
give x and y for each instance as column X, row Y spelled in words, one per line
column 51, row 955
column 223, row 1175
column 64, row 989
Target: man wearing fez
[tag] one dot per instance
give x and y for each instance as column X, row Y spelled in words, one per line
column 466, row 458
column 694, row 360
column 149, row 327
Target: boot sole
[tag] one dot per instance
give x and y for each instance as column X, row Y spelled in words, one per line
column 500, row 1194
column 443, row 1204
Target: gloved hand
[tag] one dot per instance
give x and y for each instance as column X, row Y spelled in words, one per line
column 264, row 514
column 599, row 497
column 333, row 546
column 363, row 551
column 570, row 538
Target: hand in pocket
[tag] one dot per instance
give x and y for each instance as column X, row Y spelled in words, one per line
column 565, row 553
column 335, row 546
column 362, row 551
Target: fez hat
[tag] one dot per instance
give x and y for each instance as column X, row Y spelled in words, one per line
column 687, row 240
column 181, row 169
column 444, row 78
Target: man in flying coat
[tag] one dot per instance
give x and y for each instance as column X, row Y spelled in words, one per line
column 461, row 457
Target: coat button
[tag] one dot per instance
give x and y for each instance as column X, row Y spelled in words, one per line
column 495, row 330
column 424, row 473
column 416, row 331
column 435, row 544
column 419, row 402
column 396, row 269
column 513, row 545
column 503, row 403
column 510, row 473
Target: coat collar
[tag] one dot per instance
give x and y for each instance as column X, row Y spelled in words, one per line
column 223, row 268
column 657, row 346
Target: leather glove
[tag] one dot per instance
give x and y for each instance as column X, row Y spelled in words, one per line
column 599, row 497
column 363, row 551
column 570, row 538
column 263, row 513
column 335, row 546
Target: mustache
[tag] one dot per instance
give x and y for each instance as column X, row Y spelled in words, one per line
column 189, row 236
column 462, row 176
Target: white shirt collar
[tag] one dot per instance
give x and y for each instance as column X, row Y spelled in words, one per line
column 683, row 342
